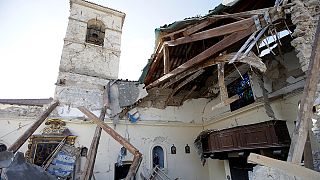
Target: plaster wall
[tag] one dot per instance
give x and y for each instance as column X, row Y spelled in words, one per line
column 216, row 169
column 284, row 109
column 143, row 136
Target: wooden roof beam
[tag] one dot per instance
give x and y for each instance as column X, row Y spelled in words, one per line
column 252, row 60
column 214, row 32
column 166, row 62
column 226, row 42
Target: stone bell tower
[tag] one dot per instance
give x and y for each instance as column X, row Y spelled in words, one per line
column 90, row 55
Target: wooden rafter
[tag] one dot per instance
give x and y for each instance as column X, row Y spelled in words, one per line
column 229, row 40
column 252, row 60
column 190, row 29
column 214, row 32
column 198, row 27
column 156, row 62
column 186, row 81
column 166, row 62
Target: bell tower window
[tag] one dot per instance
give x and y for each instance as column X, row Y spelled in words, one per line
column 95, row 32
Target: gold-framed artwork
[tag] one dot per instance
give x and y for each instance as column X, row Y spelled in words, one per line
column 42, row 145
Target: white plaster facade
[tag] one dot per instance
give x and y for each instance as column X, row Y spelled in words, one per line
column 175, row 129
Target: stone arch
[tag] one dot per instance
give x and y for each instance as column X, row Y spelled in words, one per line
column 95, row 32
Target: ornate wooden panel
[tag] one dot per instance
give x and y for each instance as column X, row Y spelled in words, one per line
column 255, row 136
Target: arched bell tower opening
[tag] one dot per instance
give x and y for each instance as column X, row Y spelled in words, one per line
column 95, row 32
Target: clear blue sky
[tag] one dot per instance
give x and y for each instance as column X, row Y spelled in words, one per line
column 32, row 32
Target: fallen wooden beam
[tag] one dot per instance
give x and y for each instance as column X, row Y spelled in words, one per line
column 214, row 32
column 134, row 166
column 116, row 136
column 300, row 132
column 24, row 137
column 287, row 167
column 229, row 40
column 91, row 157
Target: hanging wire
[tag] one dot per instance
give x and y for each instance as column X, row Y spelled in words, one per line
column 15, row 130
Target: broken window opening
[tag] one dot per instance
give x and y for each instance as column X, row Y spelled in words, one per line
column 270, row 42
column 95, row 32
column 157, row 157
column 242, row 88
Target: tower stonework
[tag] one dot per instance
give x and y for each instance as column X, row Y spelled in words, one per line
column 90, row 55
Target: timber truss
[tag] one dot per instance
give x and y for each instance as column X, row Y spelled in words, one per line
column 185, row 58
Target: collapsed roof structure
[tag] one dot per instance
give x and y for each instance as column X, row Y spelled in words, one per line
column 231, row 82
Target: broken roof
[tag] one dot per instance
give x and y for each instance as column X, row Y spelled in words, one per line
column 182, row 65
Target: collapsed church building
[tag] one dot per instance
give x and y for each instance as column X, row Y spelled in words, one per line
column 230, row 95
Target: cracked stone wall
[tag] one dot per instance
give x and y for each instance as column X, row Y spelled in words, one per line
column 88, row 59
column 305, row 15
column 86, row 68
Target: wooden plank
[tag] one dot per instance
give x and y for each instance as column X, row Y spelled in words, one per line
column 289, row 168
column 154, row 65
column 305, row 112
column 186, row 81
column 223, row 90
column 109, row 130
column 134, row 166
column 213, row 18
column 229, row 40
column 166, row 63
column 198, row 27
column 91, row 157
column 251, row 59
column 222, row 86
column 215, row 32
column 23, row 138
column 48, row 161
